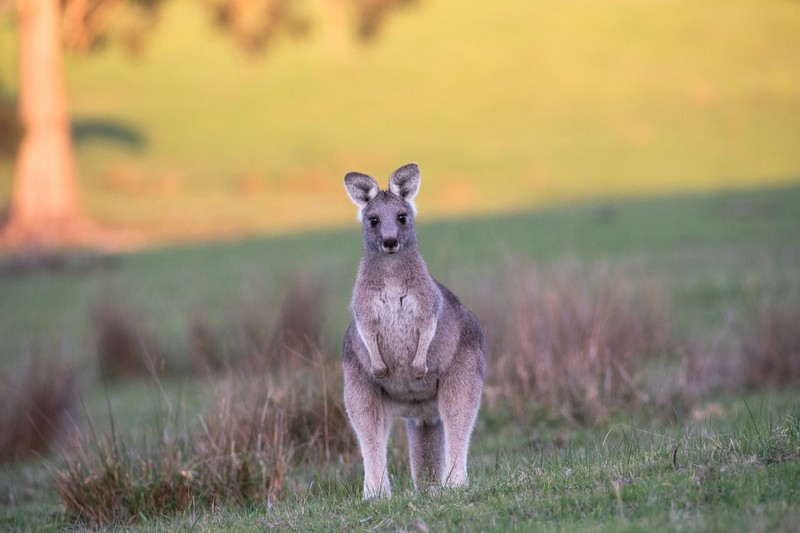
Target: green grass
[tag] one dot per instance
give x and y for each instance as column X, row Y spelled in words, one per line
column 737, row 471
column 507, row 104
column 707, row 248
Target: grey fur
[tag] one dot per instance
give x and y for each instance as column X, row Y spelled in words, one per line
column 361, row 189
column 412, row 351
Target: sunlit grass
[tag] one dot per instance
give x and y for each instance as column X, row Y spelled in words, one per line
column 502, row 104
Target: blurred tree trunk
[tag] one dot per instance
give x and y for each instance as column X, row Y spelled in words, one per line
column 45, row 209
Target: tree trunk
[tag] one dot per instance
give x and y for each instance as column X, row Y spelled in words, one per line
column 45, row 209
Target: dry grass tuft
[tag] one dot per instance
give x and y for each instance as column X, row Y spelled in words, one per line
column 760, row 352
column 240, row 453
column 679, row 383
column 308, row 387
column 255, row 427
column 771, row 352
column 302, row 313
column 103, row 482
column 319, row 422
column 37, row 407
column 205, row 353
column 573, row 341
column 259, row 340
column 125, row 347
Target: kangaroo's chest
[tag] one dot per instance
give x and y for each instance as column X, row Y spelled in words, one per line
column 394, row 315
column 395, row 309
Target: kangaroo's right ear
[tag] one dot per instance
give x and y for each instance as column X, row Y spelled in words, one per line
column 404, row 182
column 361, row 188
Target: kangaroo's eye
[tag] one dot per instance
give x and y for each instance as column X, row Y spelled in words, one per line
column 402, row 218
column 373, row 221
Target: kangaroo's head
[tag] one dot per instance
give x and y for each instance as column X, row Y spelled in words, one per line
column 387, row 216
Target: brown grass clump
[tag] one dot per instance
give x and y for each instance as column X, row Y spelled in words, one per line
column 771, row 352
column 250, row 342
column 125, row 347
column 205, row 354
column 103, row 481
column 308, row 387
column 700, row 368
column 573, row 341
column 255, row 427
column 319, row 422
column 37, row 407
column 240, row 453
column 302, row 312
column 261, row 338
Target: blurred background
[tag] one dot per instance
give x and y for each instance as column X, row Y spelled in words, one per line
column 612, row 186
column 192, row 120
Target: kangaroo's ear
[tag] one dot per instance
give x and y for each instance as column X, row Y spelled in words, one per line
column 404, row 182
column 361, row 188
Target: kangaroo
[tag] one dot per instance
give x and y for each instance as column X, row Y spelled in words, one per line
column 412, row 351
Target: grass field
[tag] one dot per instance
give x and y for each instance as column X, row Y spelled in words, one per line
column 735, row 474
column 735, row 467
column 706, row 247
column 503, row 105
column 653, row 143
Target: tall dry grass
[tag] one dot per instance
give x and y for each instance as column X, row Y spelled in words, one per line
column 124, row 345
column 757, row 347
column 37, row 408
column 262, row 337
column 276, row 404
column 583, row 343
column 579, row 343
column 254, row 429
column 302, row 312
column 235, row 457
column 572, row 340
column 771, row 343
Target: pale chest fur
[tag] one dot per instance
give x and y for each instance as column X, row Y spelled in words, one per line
column 394, row 310
column 395, row 307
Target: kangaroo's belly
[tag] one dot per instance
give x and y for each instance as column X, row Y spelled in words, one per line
column 403, row 388
column 408, row 397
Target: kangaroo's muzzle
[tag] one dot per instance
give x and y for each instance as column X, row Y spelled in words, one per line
column 390, row 246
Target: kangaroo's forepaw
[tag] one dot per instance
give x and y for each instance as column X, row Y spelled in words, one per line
column 419, row 371
column 380, row 371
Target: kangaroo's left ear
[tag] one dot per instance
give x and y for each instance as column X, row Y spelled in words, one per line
column 404, row 182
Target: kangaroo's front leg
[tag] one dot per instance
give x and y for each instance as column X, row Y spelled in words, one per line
column 370, row 339
column 419, row 365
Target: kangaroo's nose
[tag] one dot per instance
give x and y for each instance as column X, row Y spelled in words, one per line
column 390, row 243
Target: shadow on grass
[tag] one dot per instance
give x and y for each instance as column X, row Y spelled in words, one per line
column 108, row 130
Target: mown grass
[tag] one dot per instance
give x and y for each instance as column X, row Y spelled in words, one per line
column 507, row 104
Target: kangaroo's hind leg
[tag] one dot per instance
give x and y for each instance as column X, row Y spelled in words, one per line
column 372, row 424
column 426, row 452
column 459, row 400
